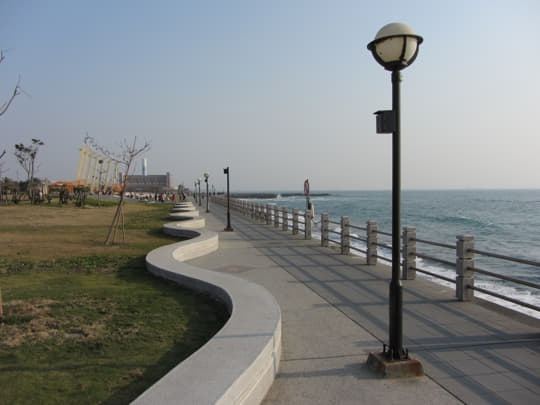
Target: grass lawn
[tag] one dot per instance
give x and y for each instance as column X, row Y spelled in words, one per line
column 85, row 323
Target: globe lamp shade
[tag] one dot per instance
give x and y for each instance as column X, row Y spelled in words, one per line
column 395, row 46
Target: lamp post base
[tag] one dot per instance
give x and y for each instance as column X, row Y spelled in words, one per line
column 388, row 368
column 228, row 229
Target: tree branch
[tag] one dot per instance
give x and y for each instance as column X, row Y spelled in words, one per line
column 16, row 90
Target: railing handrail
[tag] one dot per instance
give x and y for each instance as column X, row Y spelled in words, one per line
column 505, row 298
column 503, row 277
column 435, row 259
column 504, row 257
column 254, row 209
column 430, row 242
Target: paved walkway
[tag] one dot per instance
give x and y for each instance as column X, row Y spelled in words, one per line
column 335, row 312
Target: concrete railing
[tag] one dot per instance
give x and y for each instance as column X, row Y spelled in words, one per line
column 236, row 366
column 464, row 249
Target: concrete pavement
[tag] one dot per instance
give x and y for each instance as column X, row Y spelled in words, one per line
column 335, row 312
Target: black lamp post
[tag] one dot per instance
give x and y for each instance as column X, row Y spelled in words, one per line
column 228, row 228
column 206, row 175
column 395, row 47
column 199, row 184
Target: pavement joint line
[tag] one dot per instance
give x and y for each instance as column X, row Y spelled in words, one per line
column 339, row 356
column 421, row 348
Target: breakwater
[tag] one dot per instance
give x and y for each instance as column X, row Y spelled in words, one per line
column 272, row 195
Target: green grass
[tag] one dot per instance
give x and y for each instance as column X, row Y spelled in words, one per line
column 96, row 328
column 93, row 202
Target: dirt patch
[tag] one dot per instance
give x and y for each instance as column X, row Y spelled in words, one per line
column 32, row 321
column 32, row 307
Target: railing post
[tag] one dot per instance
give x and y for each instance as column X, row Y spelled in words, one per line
column 260, row 216
column 307, row 225
column 285, row 213
column 464, row 266
column 276, row 216
column 268, row 214
column 324, row 229
column 409, row 253
column 295, row 221
column 371, row 242
column 345, row 236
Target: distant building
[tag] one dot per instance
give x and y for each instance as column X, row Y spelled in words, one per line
column 151, row 183
column 144, row 167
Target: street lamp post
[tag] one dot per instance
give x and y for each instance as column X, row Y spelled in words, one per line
column 395, row 47
column 228, row 228
column 199, row 184
column 206, row 175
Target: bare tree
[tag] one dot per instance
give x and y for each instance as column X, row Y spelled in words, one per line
column 16, row 91
column 3, row 108
column 129, row 151
column 1, row 193
column 1, row 163
column 26, row 156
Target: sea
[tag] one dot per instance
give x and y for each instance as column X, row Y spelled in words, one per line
column 505, row 222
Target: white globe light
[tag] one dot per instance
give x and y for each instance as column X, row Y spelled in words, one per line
column 395, row 46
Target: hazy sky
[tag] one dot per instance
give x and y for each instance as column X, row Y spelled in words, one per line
column 277, row 90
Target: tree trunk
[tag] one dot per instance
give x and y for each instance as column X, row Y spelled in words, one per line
column 1, row 309
column 112, row 229
column 123, row 229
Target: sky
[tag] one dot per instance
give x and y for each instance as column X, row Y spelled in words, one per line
column 280, row 91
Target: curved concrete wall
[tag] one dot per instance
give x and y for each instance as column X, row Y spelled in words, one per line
column 238, row 365
column 178, row 215
column 186, row 222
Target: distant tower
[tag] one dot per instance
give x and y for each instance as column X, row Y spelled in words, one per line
column 144, row 167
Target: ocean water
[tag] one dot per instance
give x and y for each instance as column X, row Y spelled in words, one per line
column 505, row 222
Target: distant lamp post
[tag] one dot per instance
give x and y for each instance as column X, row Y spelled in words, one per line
column 206, row 175
column 100, row 161
column 228, row 228
column 199, row 184
column 395, row 47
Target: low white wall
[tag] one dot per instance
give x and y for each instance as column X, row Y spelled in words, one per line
column 239, row 364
